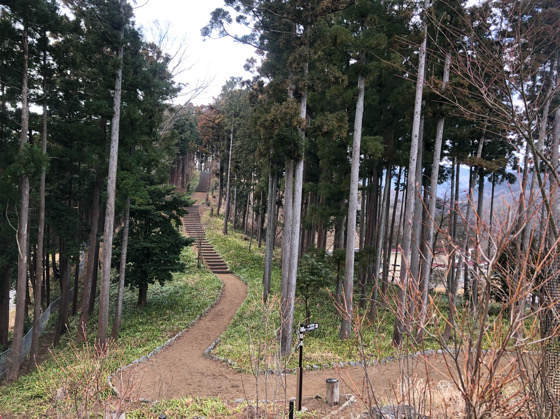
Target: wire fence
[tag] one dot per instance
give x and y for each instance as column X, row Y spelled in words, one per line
column 26, row 343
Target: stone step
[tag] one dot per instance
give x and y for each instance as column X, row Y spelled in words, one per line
column 218, row 267
column 195, row 230
column 214, row 262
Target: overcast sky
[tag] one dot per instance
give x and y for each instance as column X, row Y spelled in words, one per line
column 210, row 62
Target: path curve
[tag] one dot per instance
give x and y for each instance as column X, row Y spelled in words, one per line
column 181, row 369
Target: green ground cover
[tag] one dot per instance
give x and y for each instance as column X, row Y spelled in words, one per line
column 322, row 347
column 75, row 370
column 187, row 407
column 251, row 335
column 190, row 407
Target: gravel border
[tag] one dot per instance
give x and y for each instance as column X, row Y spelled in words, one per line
column 164, row 345
column 314, row 367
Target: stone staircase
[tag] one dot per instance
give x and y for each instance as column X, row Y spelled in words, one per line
column 194, row 229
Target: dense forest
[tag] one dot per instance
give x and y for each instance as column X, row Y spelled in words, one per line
column 401, row 154
column 88, row 138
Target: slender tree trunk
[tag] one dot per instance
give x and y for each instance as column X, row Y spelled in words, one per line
column 386, row 245
column 181, row 168
column 399, row 237
column 525, row 234
column 303, row 234
column 248, row 208
column 294, row 253
column 122, row 271
column 186, row 174
column 91, row 260
column 288, row 302
column 220, row 187
column 235, row 204
column 276, row 221
column 463, row 265
column 143, row 294
column 285, row 341
column 363, row 270
column 270, row 217
column 76, row 285
column 253, row 221
column 415, row 260
column 466, row 279
column 371, row 208
column 94, row 279
column 428, row 257
column 103, row 320
column 366, row 185
column 338, row 244
column 40, row 237
column 384, row 219
column 65, row 292
column 346, row 323
column 453, row 277
column 226, row 215
column 27, row 295
column 322, row 229
column 47, row 273
column 386, row 268
column 491, row 220
column 4, row 305
column 260, row 220
column 479, row 217
column 401, row 322
column 543, row 135
column 22, row 224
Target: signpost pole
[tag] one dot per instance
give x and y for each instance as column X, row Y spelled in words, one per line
column 303, row 329
column 300, row 375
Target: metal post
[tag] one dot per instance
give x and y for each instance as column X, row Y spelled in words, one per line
column 300, row 381
column 303, row 329
column 291, row 411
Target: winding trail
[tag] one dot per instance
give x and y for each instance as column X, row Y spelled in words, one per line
column 182, row 369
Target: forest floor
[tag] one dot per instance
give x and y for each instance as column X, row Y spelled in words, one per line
column 180, row 381
column 69, row 373
column 183, row 370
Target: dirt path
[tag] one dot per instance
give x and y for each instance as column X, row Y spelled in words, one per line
column 182, row 369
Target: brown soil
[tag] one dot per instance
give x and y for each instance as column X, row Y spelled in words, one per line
column 182, row 370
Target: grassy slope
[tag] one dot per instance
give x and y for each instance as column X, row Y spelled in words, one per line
column 322, row 347
column 170, row 309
